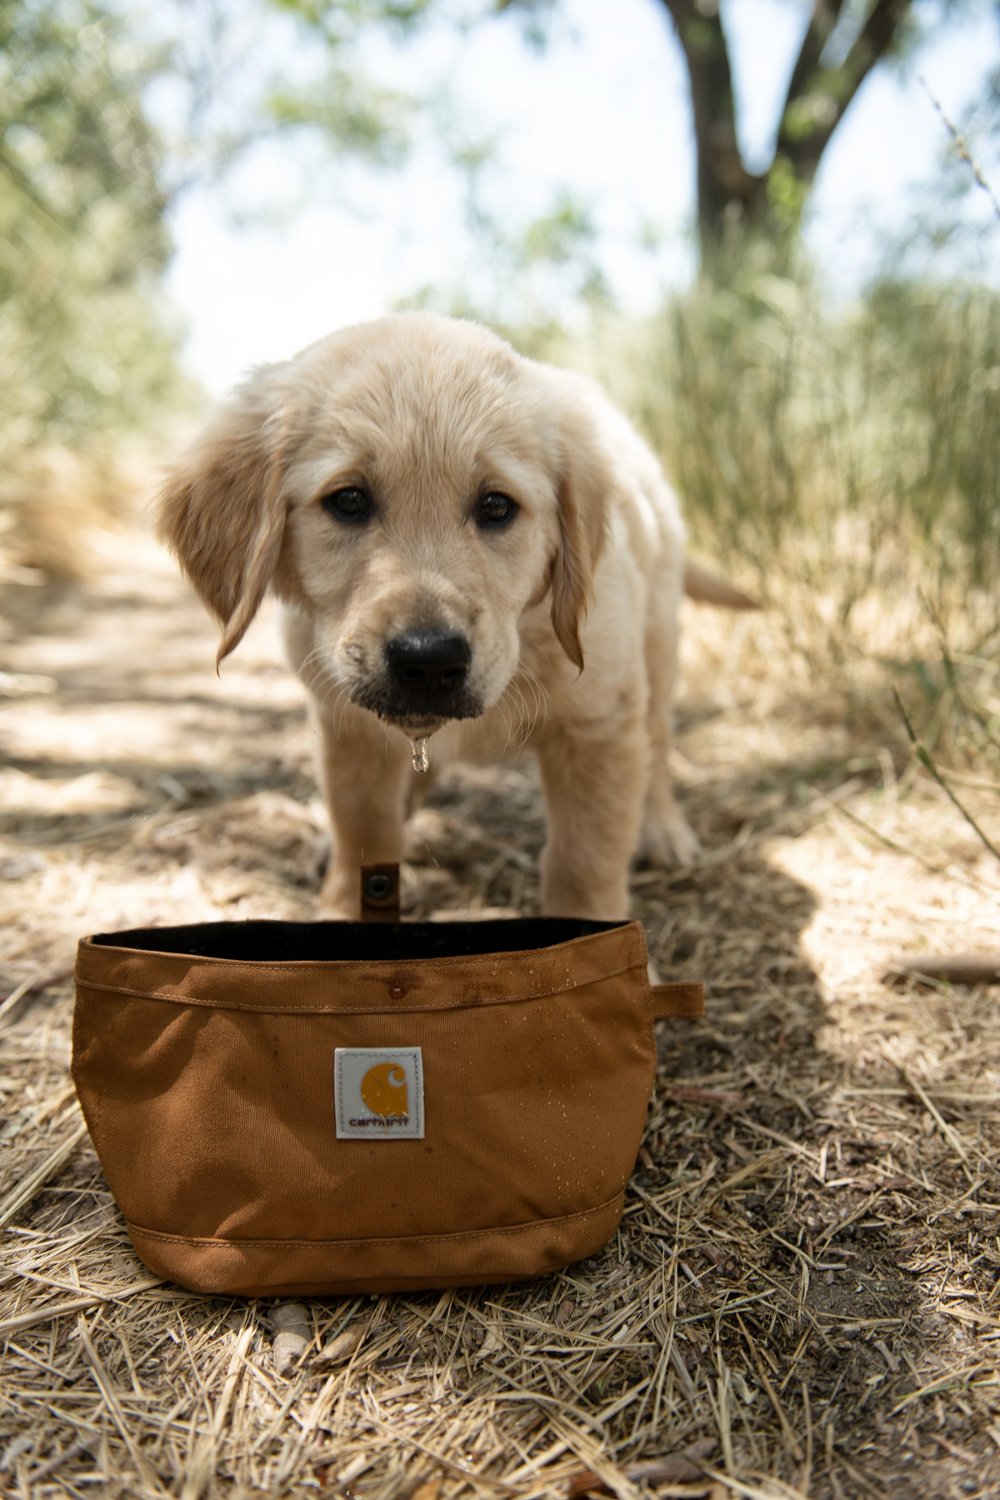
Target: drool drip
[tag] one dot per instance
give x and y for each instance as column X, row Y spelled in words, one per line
column 421, row 760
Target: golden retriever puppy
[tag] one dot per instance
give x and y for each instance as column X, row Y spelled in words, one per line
column 471, row 549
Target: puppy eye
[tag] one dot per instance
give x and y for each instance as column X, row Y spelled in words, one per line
column 494, row 509
column 349, row 504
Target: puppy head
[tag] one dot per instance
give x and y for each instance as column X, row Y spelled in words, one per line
column 413, row 487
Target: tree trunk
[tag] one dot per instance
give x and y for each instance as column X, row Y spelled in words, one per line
column 730, row 197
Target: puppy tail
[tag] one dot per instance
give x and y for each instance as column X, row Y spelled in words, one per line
column 708, row 588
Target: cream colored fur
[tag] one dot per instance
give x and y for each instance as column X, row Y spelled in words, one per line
column 571, row 611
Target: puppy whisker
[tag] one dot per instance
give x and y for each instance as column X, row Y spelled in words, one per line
column 541, row 695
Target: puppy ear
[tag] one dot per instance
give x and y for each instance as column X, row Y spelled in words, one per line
column 221, row 510
column 582, row 496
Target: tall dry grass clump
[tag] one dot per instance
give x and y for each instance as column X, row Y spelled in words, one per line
column 855, row 450
column 840, row 462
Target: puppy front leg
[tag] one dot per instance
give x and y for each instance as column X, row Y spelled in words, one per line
column 365, row 775
column 594, row 791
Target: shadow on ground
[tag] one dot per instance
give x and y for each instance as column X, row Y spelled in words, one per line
column 802, row 1282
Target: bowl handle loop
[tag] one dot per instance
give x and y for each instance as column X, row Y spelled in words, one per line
column 681, row 998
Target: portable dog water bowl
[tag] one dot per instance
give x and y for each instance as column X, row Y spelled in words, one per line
column 336, row 1107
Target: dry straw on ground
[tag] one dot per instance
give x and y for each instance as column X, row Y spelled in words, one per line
column 804, row 1298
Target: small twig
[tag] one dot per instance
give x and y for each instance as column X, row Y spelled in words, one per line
column 27, row 987
column 23, row 1192
column 340, row 1349
column 944, row 968
column 925, row 759
column 962, row 149
column 77, row 1304
column 942, row 1124
column 204, row 1459
column 932, row 866
column 684, row 1467
column 111, row 1397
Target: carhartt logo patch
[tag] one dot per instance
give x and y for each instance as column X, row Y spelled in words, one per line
column 378, row 1095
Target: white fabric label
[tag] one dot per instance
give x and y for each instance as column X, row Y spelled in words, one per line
column 378, row 1093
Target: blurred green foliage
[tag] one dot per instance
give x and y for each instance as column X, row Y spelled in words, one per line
column 89, row 345
column 853, row 449
column 85, row 348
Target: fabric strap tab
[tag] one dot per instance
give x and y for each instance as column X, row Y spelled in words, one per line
column 681, row 998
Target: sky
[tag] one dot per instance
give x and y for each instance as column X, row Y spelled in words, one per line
column 602, row 110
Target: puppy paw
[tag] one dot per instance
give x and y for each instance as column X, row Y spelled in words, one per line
column 673, row 843
column 337, row 911
column 322, row 854
column 340, row 897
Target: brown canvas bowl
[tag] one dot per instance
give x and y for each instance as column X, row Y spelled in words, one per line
column 337, row 1107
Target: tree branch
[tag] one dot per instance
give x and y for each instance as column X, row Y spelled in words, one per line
column 818, row 97
column 722, row 176
column 825, row 15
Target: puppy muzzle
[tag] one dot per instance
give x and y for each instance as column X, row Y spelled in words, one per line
column 424, row 680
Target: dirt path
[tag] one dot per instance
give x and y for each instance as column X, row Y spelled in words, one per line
column 805, row 1291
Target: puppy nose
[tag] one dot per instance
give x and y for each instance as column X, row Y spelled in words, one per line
column 428, row 660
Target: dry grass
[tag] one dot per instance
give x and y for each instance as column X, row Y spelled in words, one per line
column 804, row 1298
column 59, row 508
